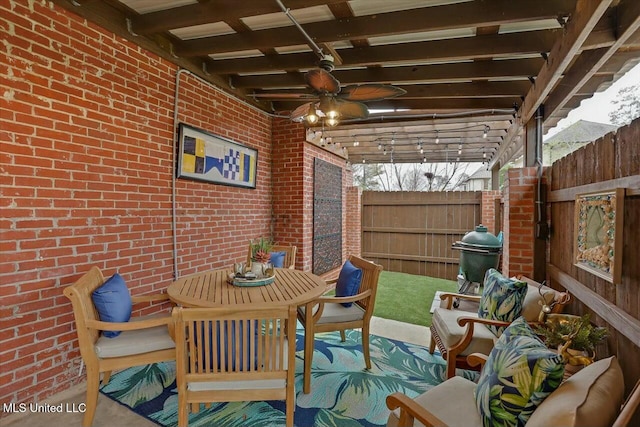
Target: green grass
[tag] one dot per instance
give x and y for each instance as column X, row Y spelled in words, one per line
column 407, row 297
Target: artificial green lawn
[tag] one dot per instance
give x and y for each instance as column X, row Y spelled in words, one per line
column 407, row 297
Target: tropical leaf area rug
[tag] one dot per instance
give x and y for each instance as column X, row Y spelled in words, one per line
column 343, row 392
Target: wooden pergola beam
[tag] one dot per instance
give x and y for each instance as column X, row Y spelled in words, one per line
column 588, row 63
column 436, row 73
column 586, row 17
column 473, row 14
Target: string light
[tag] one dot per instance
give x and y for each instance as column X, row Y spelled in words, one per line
column 437, row 138
column 486, row 131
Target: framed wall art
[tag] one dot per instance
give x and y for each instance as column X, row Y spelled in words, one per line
column 598, row 233
column 206, row 157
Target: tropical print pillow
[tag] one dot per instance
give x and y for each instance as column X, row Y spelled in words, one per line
column 502, row 299
column 519, row 374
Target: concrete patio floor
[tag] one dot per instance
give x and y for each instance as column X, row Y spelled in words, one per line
column 112, row 414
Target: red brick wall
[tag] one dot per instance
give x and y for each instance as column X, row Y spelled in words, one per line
column 519, row 222
column 87, row 162
column 293, row 169
column 489, row 210
column 353, row 217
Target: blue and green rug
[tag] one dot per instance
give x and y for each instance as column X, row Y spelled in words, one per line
column 343, row 393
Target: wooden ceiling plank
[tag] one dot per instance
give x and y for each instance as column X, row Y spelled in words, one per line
column 503, row 45
column 427, row 104
column 464, row 71
column 212, row 11
column 588, row 63
column 584, row 19
column 489, row 13
column 442, row 90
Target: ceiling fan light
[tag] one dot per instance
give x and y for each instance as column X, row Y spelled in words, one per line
column 332, row 121
column 332, row 114
column 312, row 115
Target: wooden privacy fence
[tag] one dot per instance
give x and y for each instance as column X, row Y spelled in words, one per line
column 611, row 162
column 412, row 232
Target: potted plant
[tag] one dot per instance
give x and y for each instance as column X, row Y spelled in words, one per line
column 260, row 255
column 574, row 337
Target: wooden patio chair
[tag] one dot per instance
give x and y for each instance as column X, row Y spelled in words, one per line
column 328, row 313
column 142, row 341
column 289, row 255
column 460, row 333
column 230, row 354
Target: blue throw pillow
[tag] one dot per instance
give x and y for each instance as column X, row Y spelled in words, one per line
column 113, row 302
column 277, row 259
column 348, row 281
column 519, row 374
column 502, row 299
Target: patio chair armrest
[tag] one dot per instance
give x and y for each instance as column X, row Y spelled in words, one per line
column 137, row 299
column 331, row 285
column 341, row 300
column 410, row 411
column 450, row 296
column 132, row 325
column 477, row 359
column 462, row 321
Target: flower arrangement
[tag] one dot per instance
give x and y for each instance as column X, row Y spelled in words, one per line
column 260, row 250
column 569, row 332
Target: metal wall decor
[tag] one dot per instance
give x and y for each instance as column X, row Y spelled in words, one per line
column 598, row 233
column 327, row 216
column 206, row 157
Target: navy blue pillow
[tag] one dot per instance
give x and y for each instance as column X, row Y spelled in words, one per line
column 113, row 302
column 277, row 259
column 348, row 281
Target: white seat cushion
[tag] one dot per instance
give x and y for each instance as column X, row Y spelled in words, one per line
column 135, row 342
column 337, row 313
column 446, row 323
column 451, row 401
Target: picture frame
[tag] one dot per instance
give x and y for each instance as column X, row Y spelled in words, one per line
column 206, row 157
column 598, row 233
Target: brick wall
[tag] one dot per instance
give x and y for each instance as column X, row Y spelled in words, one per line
column 87, row 166
column 87, row 162
column 353, row 216
column 519, row 222
column 489, row 198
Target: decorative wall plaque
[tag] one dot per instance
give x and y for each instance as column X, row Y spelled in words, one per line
column 598, row 233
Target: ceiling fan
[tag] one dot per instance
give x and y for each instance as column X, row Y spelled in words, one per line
column 332, row 101
column 328, row 99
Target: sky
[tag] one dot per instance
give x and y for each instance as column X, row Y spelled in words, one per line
column 597, row 108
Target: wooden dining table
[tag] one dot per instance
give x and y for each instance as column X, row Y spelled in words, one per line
column 211, row 289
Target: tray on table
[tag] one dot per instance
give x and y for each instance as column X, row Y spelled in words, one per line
column 241, row 281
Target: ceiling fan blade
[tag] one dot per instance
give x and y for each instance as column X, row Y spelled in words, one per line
column 322, row 81
column 300, row 112
column 352, row 110
column 370, row 92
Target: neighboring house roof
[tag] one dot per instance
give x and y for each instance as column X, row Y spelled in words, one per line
column 481, row 173
column 581, row 131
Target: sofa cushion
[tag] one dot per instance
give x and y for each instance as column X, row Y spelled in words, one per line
column 348, row 281
column 445, row 322
column 113, row 302
column 501, row 299
column 591, row 397
column 437, row 400
column 519, row 374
